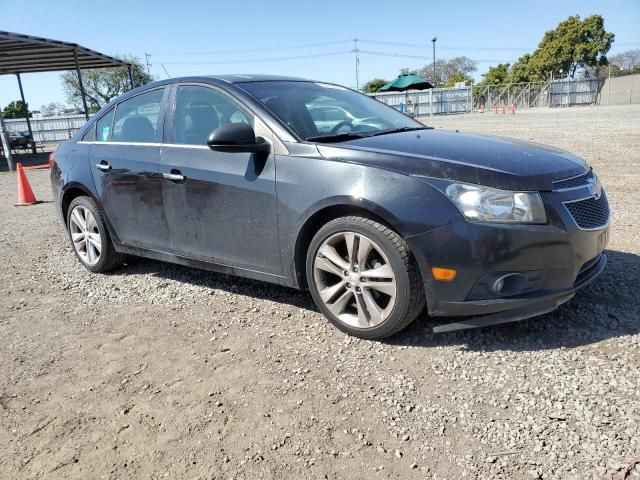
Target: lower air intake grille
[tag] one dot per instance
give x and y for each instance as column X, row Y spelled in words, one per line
column 590, row 213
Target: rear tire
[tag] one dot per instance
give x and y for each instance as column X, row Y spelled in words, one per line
column 363, row 278
column 89, row 236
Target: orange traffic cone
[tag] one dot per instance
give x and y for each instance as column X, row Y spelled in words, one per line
column 513, row 109
column 504, row 108
column 25, row 194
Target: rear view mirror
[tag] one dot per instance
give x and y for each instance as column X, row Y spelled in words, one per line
column 236, row 137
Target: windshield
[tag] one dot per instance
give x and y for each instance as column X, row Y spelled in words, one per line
column 322, row 111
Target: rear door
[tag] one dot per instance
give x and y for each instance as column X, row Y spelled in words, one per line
column 220, row 207
column 125, row 162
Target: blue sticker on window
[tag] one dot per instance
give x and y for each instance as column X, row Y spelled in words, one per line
column 105, row 133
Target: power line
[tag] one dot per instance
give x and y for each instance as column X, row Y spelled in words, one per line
column 419, row 57
column 270, row 59
column 337, row 42
column 424, row 45
column 252, row 50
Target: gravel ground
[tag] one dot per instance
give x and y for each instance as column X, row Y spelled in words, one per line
column 161, row 371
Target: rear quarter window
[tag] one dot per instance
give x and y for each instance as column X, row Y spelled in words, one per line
column 90, row 135
column 103, row 127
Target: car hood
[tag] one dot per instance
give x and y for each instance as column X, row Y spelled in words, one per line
column 481, row 159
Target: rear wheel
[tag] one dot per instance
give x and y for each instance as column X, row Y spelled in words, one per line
column 363, row 277
column 89, row 236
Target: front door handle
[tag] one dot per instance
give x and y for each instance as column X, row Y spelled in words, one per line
column 174, row 176
column 103, row 165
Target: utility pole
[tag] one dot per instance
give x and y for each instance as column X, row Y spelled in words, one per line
column 435, row 81
column 357, row 59
column 147, row 56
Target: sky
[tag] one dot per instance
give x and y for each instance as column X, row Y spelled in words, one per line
column 214, row 37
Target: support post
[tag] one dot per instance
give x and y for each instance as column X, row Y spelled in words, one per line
column 130, row 76
column 6, row 148
column 26, row 114
column 84, row 97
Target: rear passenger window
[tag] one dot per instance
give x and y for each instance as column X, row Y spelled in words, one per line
column 200, row 110
column 90, row 135
column 136, row 119
column 103, row 127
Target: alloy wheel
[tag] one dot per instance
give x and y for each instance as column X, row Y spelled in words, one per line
column 355, row 280
column 85, row 235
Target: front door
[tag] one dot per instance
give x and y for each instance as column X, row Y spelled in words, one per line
column 220, row 207
column 125, row 161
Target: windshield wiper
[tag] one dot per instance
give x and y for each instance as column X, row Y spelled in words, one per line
column 337, row 137
column 398, row 130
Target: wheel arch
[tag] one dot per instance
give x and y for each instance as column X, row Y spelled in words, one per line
column 74, row 190
column 330, row 210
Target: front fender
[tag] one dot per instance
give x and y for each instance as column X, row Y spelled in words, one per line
column 307, row 186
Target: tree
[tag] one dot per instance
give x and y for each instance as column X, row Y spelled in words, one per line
column 102, row 85
column 520, row 70
column 461, row 67
column 572, row 44
column 496, row 75
column 16, row 109
column 52, row 109
column 628, row 62
column 456, row 77
column 374, row 85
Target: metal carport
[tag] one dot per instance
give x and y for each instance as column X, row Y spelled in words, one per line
column 27, row 54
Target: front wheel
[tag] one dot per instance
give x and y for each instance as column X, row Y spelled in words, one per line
column 363, row 277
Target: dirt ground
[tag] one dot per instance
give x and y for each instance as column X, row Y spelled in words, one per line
column 161, row 371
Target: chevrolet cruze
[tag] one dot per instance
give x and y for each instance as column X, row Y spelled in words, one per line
column 377, row 215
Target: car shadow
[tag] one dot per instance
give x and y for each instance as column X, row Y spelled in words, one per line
column 608, row 308
column 217, row 281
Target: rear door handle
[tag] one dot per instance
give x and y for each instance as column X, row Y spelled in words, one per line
column 174, row 176
column 103, row 165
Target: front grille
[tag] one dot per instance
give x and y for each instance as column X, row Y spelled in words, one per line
column 591, row 213
column 574, row 182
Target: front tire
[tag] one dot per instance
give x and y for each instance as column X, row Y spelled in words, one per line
column 89, row 237
column 363, row 277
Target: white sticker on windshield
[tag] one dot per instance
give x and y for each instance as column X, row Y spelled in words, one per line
column 328, row 85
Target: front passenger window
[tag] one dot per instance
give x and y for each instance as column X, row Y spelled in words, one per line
column 200, row 110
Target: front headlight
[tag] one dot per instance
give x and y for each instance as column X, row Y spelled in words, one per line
column 486, row 204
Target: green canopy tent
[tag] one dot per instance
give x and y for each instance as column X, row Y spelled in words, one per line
column 406, row 81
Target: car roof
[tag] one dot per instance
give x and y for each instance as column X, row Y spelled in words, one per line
column 246, row 78
column 238, row 78
column 213, row 79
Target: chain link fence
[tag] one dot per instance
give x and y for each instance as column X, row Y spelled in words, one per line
column 436, row 101
column 556, row 93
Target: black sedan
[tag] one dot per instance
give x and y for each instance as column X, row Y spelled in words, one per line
column 376, row 214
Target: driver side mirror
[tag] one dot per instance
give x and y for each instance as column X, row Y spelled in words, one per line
column 237, row 137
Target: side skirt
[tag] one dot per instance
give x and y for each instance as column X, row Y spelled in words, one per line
column 202, row 265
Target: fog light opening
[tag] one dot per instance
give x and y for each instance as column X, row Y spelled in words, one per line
column 510, row 284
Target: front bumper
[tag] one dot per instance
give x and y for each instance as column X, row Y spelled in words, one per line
column 565, row 256
column 523, row 308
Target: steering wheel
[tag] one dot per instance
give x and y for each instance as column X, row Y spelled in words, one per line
column 343, row 123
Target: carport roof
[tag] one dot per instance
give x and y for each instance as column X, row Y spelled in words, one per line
column 24, row 54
